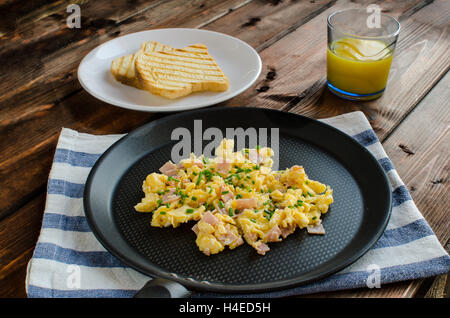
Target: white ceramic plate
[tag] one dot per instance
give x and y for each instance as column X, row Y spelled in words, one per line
column 239, row 61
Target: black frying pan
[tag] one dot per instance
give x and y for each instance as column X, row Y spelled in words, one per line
column 355, row 221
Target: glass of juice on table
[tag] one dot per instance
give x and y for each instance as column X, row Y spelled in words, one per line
column 360, row 50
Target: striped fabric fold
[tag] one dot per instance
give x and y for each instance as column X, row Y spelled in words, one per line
column 68, row 261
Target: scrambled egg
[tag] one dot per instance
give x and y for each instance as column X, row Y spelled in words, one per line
column 235, row 196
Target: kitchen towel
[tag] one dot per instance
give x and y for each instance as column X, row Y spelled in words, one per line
column 68, row 261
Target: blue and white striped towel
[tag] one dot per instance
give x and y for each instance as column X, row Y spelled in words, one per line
column 69, row 262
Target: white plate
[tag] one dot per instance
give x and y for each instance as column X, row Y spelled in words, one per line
column 239, row 61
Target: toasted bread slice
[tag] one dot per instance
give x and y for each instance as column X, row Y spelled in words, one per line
column 179, row 72
column 123, row 69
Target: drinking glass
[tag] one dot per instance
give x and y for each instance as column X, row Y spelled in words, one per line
column 359, row 54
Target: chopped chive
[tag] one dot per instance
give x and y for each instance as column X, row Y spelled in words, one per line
column 189, row 211
column 194, row 199
column 269, row 190
column 314, row 218
column 256, row 167
column 194, row 173
column 210, row 189
column 225, row 192
column 162, row 212
column 221, row 204
column 199, row 178
column 205, row 160
column 238, row 196
column 311, row 195
column 253, row 220
column 230, row 212
column 306, row 182
column 258, row 147
column 159, row 201
column 167, row 205
column 173, row 179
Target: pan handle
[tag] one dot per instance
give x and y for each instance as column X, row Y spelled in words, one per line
column 162, row 288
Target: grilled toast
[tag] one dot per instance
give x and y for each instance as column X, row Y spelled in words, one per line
column 123, row 68
column 174, row 73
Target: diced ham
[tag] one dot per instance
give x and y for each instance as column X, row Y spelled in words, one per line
column 195, row 229
column 317, row 229
column 245, row 203
column 209, row 218
column 287, row 230
column 229, row 238
column 227, row 196
column 239, row 242
column 206, row 251
column 261, row 248
column 219, row 209
column 251, row 237
column 169, row 169
column 223, row 167
column 169, row 198
column 273, row 235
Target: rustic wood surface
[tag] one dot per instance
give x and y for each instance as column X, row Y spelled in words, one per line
column 39, row 57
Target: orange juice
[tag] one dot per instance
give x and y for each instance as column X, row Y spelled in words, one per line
column 359, row 66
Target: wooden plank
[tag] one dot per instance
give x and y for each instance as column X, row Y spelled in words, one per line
column 261, row 24
column 420, row 151
column 103, row 118
column 18, row 236
column 35, row 144
column 300, row 82
column 49, row 74
column 423, row 167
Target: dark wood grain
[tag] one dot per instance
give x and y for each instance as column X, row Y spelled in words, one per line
column 426, row 132
column 40, row 94
column 35, row 121
column 425, row 169
column 18, row 235
column 299, row 60
column 43, row 124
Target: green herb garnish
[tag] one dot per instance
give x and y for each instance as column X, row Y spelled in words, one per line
column 173, row 179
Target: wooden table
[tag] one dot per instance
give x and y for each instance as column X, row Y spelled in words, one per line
column 40, row 94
